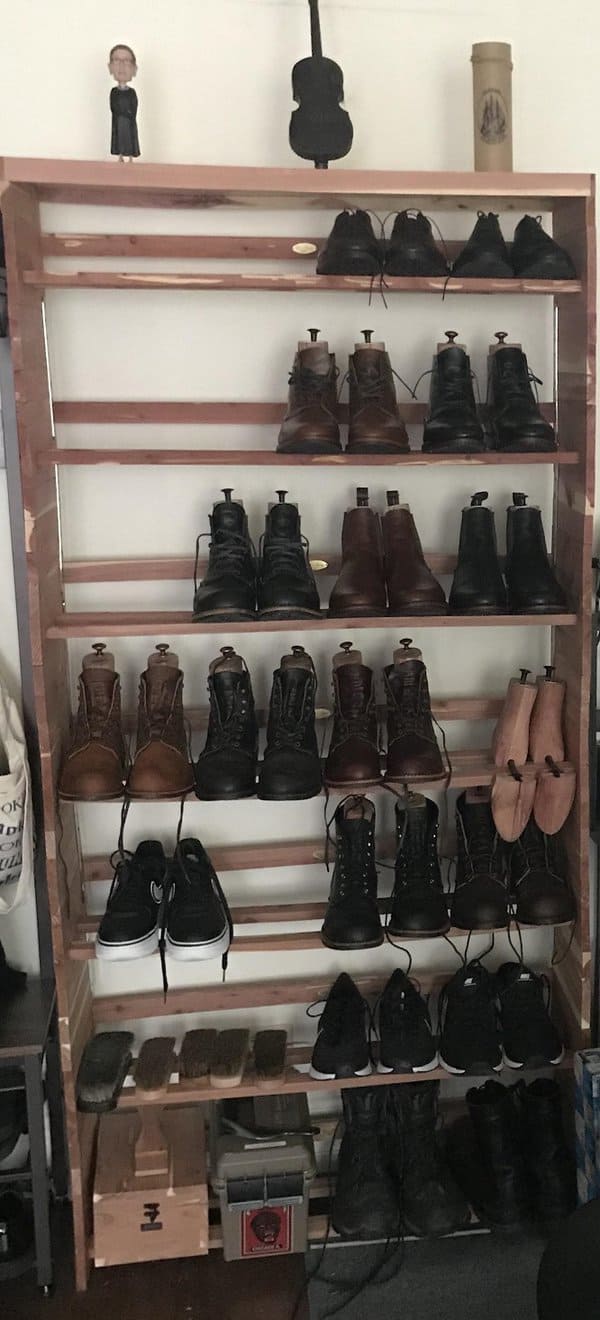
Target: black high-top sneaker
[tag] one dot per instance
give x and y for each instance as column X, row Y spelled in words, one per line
column 431, row 1203
column 479, row 901
column 532, row 585
column 477, row 586
column 419, row 906
column 365, row 1203
column 226, row 768
column 291, row 767
column 485, row 254
column 514, row 416
column 352, row 248
column 342, row 1048
column 486, row 1152
column 529, row 1038
column 352, row 918
column 537, row 256
column 228, row 588
column 452, row 425
column 198, row 920
column 550, row 1164
column 539, row 887
column 470, row 1034
column 130, row 925
column 411, row 249
column 407, row 1042
column 286, row 584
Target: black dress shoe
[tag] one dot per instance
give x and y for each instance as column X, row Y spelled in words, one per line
column 536, row 256
column 291, row 767
column 226, row 768
column 352, row 248
column 411, row 249
column 477, row 585
column 452, row 426
column 515, row 420
column 228, row 590
column 532, row 586
column 286, row 584
column 485, row 255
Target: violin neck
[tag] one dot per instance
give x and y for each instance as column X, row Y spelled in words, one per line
column 315, row 29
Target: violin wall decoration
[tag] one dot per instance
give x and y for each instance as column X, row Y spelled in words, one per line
column 319, row 129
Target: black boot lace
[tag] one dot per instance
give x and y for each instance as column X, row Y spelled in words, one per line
column 230, row 554
column 130, row 881
column 202, row 884
column 353, row 715
column 292, row 707
column 409, row 709
column 479, row 848
column 226, row 727
column 416, row 850
column 161, row 703
column 310, row 386
column 355, row 861
column 517, row 379
column 283, row 555
column 94, row 708
column 370, row 384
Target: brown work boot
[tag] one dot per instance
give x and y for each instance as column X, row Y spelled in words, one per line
column 94, row 769
column 311, row 425
column 353, row 760
column 412, row 750
column 411, row 586
column 360, row 587
column 376, row 426
column 161, row 768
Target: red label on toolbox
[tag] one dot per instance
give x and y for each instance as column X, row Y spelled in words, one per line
column 266, row 1230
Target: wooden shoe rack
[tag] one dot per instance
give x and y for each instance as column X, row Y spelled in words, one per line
column 25, row 184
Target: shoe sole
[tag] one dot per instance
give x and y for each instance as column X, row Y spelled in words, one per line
column 277, row 612
column 347, row 948
column 377, row 448
column 445, row 1232
column 422, row 611
column 289, row 797
column 89, row 797
column 457, row 447
column 419, row 934
column 198, row 952
column 224, row 616
column 159, row 797
column 311, row 447
column 362, row 613
column 486, row 610
column 415, row 1068
column 225, row 797
column 525, row 445
column 415, row 779
column 540, row 609
column 485, row 926
column 476, row 1069
column 350, row 784
column 333, row 1076
column 124, row 952
column 533, row 1061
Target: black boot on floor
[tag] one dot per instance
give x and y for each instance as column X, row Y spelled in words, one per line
column 286, row 584
column 291, row 767
column 532, row 586
column 470, row 1034
column 407, row 1042
column 485, row 254
column 226, row 768
column 477, row 585
column 228, row 589
column 412, row 250
column 549, row 1161
column 341, row 1048
column 419, row 906
column 514, row 416
column 529, row 1038
column 431, row 1202
column 486, row 1154
column 352, row 918
column 11, row 980
column 539, row 888
column 536, row 256
column 352, row 248
column 452, row 425
column 480, row 899
column 365, row 1204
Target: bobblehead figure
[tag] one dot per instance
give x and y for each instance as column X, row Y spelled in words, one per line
column 123, row 104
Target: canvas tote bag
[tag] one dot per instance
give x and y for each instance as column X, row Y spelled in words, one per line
column 16, row 826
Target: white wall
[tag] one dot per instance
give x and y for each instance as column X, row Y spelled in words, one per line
column 214, row 86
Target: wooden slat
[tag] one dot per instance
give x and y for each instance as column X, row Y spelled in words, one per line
column 232, row 412
column 445, row 709
column 215, row 282
column 269, row 458
column 178, row 623
column 247, row 857
column 181, row 568
column 214, row 246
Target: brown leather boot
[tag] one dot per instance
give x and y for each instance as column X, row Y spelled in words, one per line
column 160, row 767
column 353, row 760
column 376, row 426
column 360, row 587
column 412, row 750
column 94, row 769
column 411, row 586
column 311, row 425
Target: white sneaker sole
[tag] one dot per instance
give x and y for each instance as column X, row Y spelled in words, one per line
column 198, row 952
column 462, row 1072
column 420, row 1068
column 548, row 1063
column 331, row 1076
column 125, row 952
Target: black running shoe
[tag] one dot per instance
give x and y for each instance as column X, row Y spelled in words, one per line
column 529, row 1038
column 407, row 1043
column 341, row 1048
column 130, row 925
column 198, row 921
column 470, row 1035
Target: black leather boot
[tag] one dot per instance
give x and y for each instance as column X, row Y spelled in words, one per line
column 452, row 426
column 228, row 589
column 532, row 586
column 352, row 248
column 538, row 879
column 412, row 749
column 514, row 416
column 485, row 254
column 431, row 1202
column 352, row 918
column 286, row 584
column 419, row 906
column 486, row 1153
column 477, row 585
column 536, row 256
column 365, row 1204
column 411, row 249
column 480, row 897
column 549, row 1161
column 226, row 768
column 291, row 767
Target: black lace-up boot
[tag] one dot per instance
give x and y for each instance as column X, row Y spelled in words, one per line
column 286, row 584
column 536, row 256
column 419, row 906
column 431, row 1203
column 365, row 1204
column 352, row 248
column 452, row 426
column 228, row 589
column 353, row 758
column 341, row 1048
column 477, row 585
column 352, row 918
column 514, row 416
column 529, row 1038
column 310, row 425
column 412, row 750
column 130, row 925
column 485, row 254
column 480, row 897
column 407, row 1043
column 226, row 768
column 532, row 586
column 486, row 1153
column 412, row 249
column 469, row 1030
column 291, row 767
column 550, row 1165
column 538, row 885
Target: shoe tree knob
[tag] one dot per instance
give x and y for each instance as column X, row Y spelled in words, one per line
column 314, row 333
column 297, row 659
column 362, row 497
column 98, row 657
column 347, row 656
column 478, row 498
column 500, row 336
column 451, row 336
column 393, row 501
column 368, row 336
column 406, row 651
column 159, row 656
column 228, row 660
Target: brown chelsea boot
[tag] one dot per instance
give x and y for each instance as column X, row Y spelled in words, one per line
column 360, row 587
column 94, row 769
column 161, row 768
column 353, row 760
column 311, row 425
column 412, row 750
column 376, row 426
column 411, row 586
